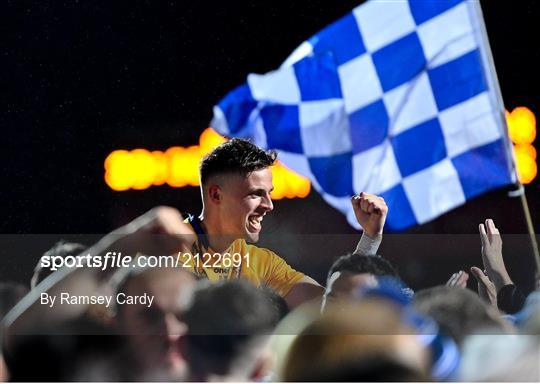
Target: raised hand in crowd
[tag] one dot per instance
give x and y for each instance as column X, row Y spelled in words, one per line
column 370, row 211
column 458, row 279
column 486, row 288
column 494, row 279
column 492, row 256
column 494, row 275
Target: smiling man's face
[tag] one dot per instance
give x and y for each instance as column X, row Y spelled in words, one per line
column 244, row 203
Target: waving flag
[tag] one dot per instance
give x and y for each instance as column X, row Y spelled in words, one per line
column 397, row 98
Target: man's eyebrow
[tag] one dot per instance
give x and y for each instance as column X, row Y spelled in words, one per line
column 257, row 190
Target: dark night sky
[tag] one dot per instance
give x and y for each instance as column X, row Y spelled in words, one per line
column 81, row 78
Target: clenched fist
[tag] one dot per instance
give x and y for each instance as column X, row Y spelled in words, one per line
column 370, row 211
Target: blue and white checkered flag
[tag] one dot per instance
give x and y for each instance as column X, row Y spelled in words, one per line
column 397, row 98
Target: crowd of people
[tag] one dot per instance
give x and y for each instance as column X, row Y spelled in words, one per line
column 258, row 319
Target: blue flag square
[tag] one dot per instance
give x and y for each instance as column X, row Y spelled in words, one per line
column 343, row 49
column 369, row 126
column 400, row 61
column 457, row 80
column 281, row 125
column 482, row 169
column 419, row 147
column 333, row 174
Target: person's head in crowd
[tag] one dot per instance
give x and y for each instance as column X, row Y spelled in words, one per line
column 459, row 312
column 353, row 272
column 366, row 340
column 443, row 352
column 501, row 358
column 61, row 248
column 236, row 182
column 154, row 331
column 76, row 350
column 229, row 327
column 277, row 302
column 10, row 294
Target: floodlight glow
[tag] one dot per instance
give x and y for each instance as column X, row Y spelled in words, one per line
column 179, row 167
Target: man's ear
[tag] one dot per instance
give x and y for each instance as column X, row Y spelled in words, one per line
column 215, row 193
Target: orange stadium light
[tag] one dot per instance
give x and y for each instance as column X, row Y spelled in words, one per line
column 522, row 131
column 178, row 167
column 526, row 164
column 118, row 170
column 521, row 125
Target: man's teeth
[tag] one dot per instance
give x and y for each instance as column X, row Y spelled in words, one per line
column 255, row 219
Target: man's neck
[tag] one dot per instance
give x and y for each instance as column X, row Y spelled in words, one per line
column 217, row 241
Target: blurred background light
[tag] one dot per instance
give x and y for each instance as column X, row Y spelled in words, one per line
column 521, row 125
column 139, row 169
column 522, row 131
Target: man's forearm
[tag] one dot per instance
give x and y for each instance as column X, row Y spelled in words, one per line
column 368, row 246
column 303, row 291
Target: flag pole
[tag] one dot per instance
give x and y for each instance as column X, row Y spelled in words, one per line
column 494, row 83
column 530, row 229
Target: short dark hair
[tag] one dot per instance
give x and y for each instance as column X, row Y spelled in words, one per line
column 459, row 312
column 277, row 301
column 223, row 322
column 235, row 156
column 355, row 263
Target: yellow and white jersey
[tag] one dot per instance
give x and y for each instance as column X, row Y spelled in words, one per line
column 241, row 260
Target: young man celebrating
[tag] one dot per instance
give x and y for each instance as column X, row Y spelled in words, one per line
column 236, row 182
